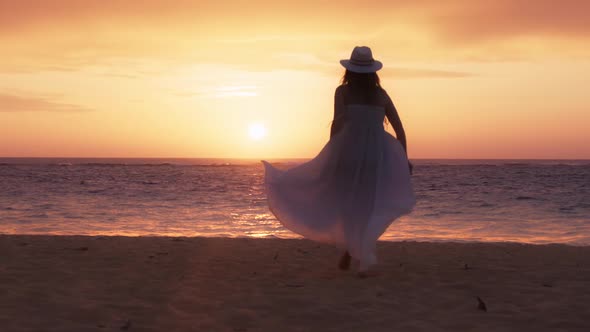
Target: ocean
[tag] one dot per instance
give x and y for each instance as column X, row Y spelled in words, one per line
column 529, row 201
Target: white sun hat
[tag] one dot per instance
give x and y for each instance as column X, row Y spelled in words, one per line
column 361, row 61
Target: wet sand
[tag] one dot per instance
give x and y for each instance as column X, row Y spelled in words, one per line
column 75, row 283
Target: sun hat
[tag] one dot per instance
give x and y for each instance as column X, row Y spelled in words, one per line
column 361, row 61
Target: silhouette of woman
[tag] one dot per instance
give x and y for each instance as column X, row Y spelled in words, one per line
column 360, row 182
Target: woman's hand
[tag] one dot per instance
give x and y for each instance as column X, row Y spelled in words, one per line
column 410, row 167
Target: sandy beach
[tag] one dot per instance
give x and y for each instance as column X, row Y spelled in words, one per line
column 58, row 283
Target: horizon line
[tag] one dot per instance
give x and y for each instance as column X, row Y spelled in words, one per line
column 275, row 158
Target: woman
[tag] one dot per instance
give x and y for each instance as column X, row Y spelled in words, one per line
column 360, row 182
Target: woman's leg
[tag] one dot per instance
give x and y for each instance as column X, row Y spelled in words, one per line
column 344, row 261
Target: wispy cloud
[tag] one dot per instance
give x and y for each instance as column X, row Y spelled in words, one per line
column 16, row 103
column 410, row 73
column 227, row 91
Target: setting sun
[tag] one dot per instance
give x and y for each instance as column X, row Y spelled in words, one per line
column 256, row 131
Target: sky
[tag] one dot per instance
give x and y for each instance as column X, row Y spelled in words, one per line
column 256, row 79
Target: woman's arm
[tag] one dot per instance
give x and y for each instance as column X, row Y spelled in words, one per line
column 338, row 120
column 396, row 122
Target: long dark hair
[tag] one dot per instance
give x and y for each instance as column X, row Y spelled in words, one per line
column 367, row 85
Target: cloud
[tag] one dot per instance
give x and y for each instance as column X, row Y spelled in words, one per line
column 70, row 34
column 14, row 103
column 508, row 19
column 410, row 73
column 454, row 18
column 227, row 91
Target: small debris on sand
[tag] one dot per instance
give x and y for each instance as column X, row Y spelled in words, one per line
column 481, row 304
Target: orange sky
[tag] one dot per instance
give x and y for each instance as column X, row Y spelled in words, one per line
column 471, row 79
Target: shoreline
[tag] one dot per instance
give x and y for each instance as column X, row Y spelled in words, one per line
column 289, row 238
column 107, row 283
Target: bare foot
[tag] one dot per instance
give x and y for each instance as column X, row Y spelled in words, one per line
column 344, row 261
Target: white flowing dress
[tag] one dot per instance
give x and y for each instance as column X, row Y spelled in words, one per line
column 351, row 191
